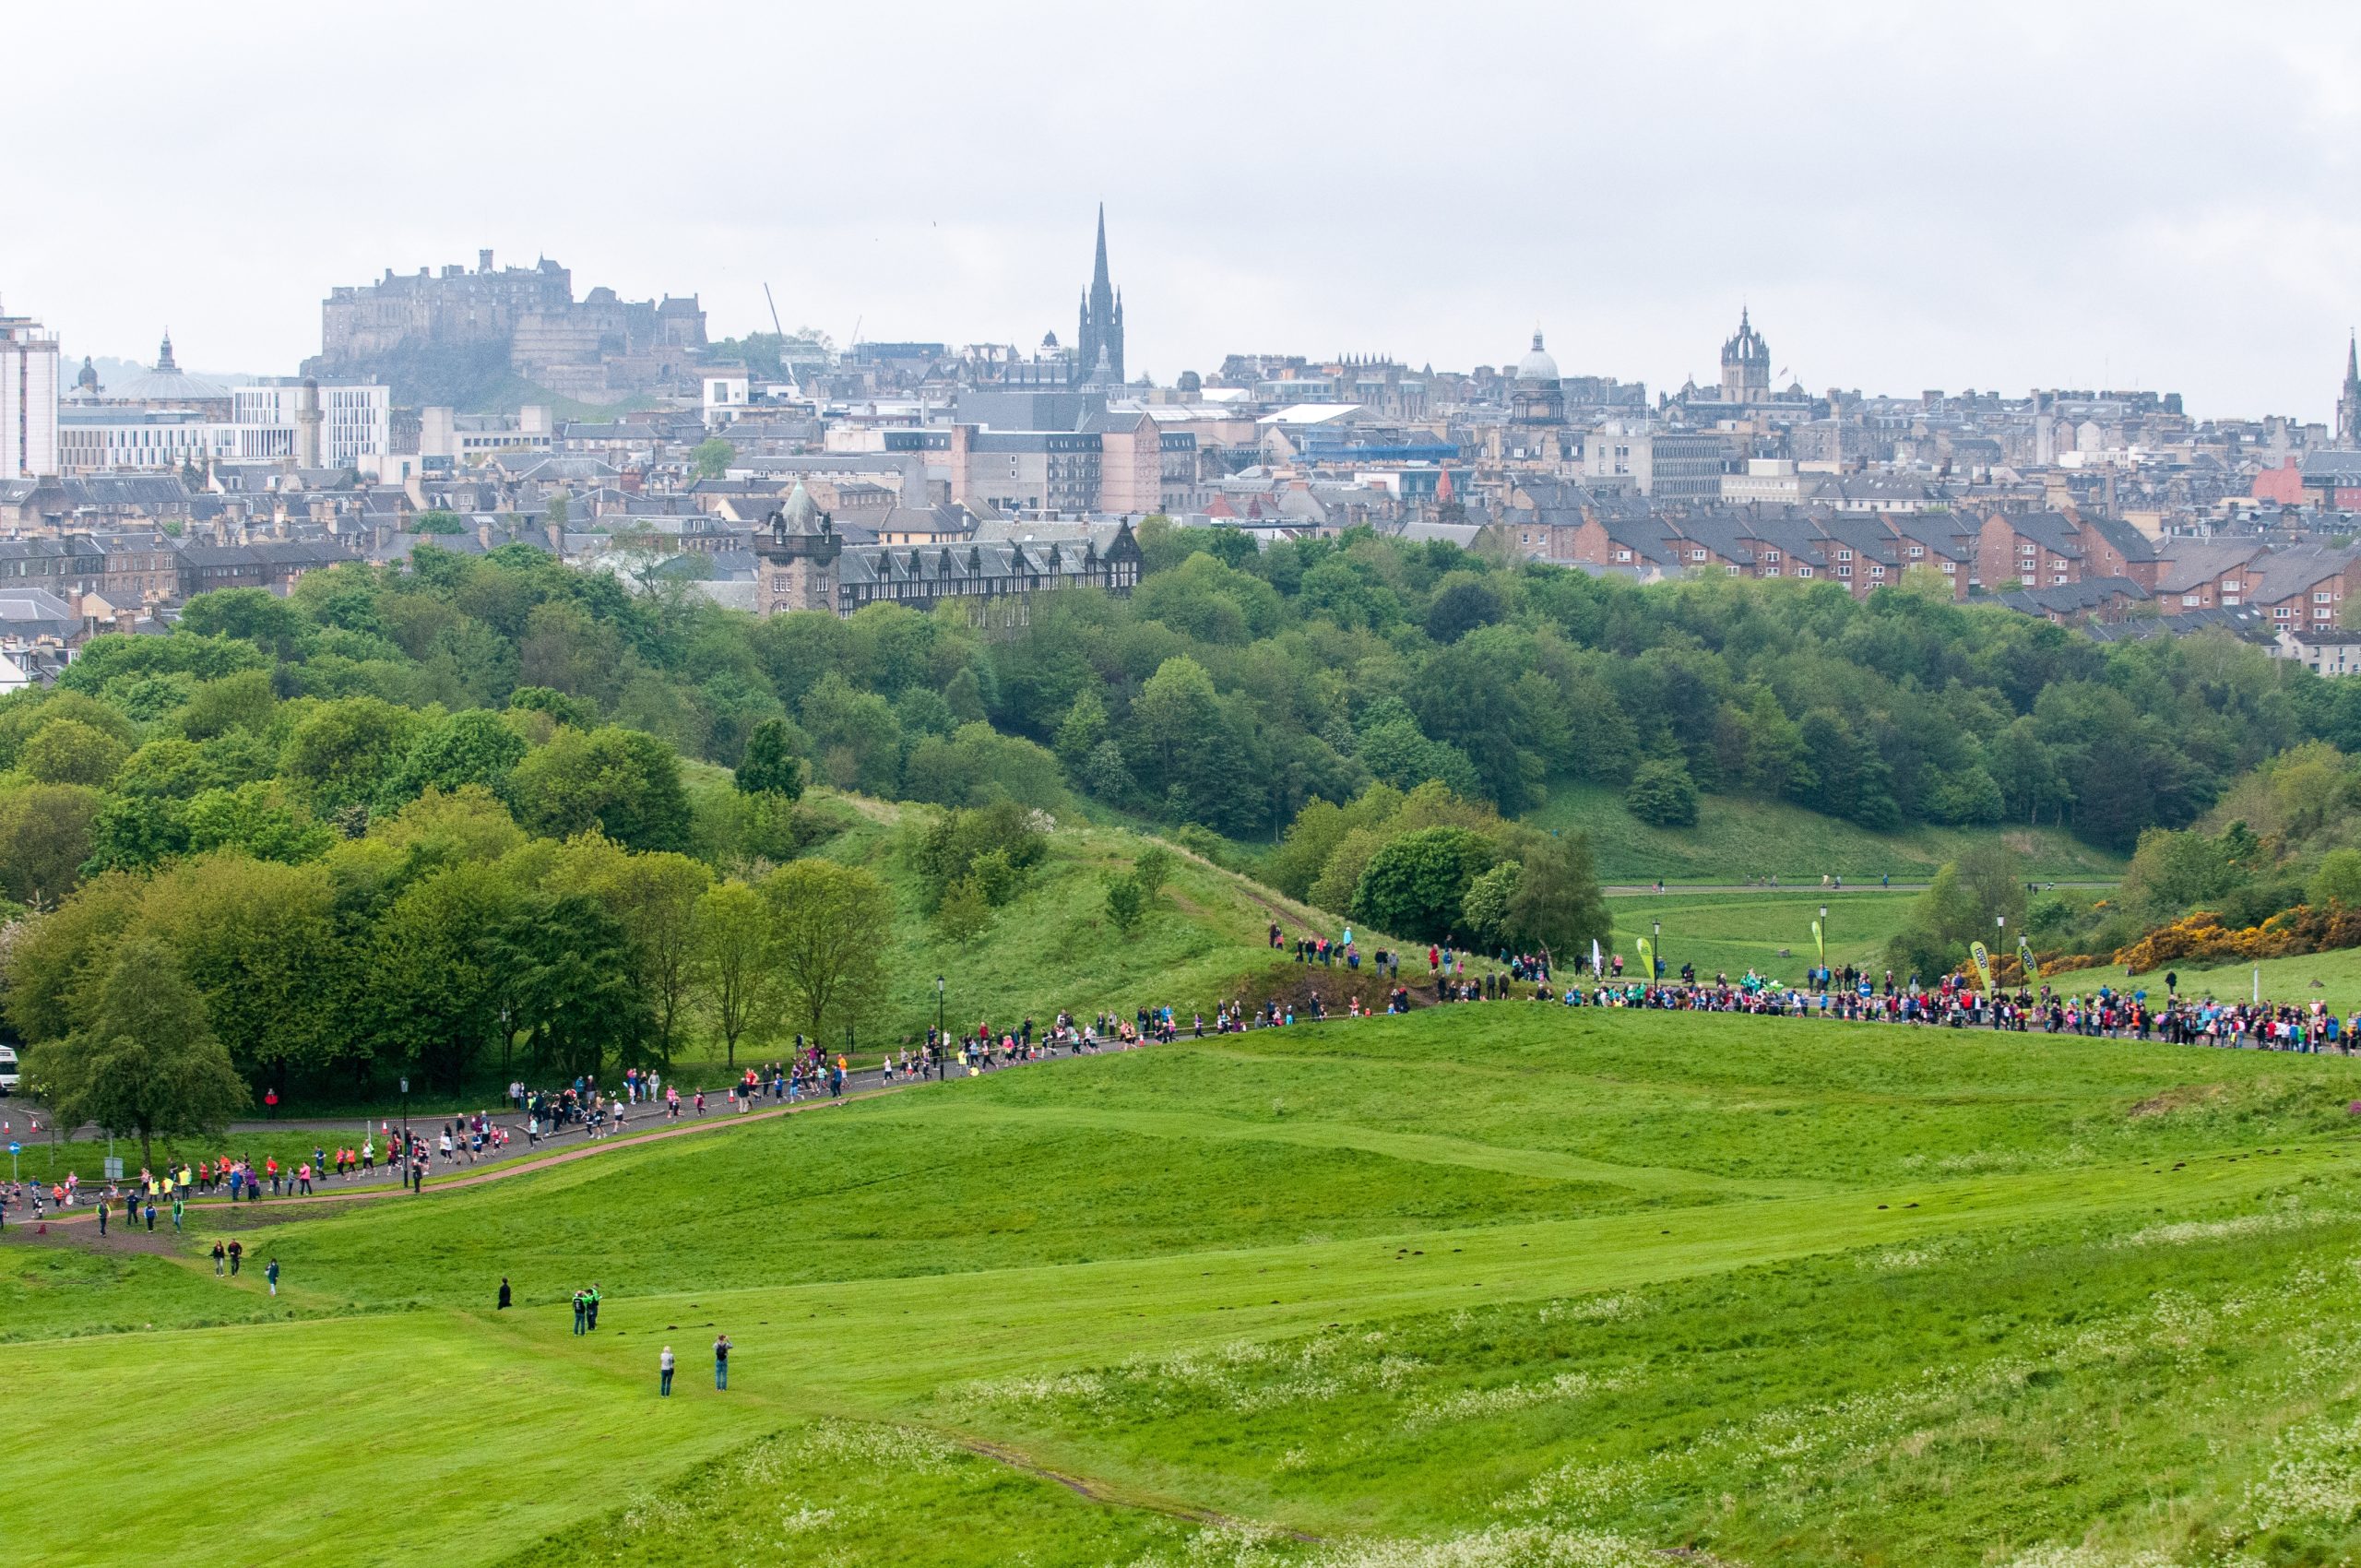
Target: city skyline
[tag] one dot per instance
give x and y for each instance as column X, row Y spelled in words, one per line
column 2021, row 200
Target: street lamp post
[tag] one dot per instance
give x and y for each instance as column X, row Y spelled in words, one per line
column 1823, row 949
column 2000, row 944
column 937, row 1052
column 1656, row 954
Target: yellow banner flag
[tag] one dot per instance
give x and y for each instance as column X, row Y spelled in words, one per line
column 2025, row 956
column 1647, row 959
column 1820, row 940
column 1982, row 963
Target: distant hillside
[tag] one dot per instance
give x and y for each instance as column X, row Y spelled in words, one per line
column 1737, row 838
column 1208, row 938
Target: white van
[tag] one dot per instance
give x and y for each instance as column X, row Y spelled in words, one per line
column 7, row 1070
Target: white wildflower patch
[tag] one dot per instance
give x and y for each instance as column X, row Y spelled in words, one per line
column 2180, row 1233
column 2315, row 1475
column 1529, row 1545
column 2060, row 1556
column 806, row 1519
column 1474, row 1404
column 1592, row 1308
column 874, row 1446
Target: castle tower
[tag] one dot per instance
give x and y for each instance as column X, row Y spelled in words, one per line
column 798, row 553
column 1100, row 334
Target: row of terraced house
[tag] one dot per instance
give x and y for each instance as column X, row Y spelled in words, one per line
column 2065, row 565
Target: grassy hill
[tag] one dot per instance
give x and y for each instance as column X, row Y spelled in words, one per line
column 1768, row 933
column 1486, row 1286
column 1736, row 840
column 1206, row 940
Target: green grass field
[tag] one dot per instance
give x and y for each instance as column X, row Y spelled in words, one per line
column 1738, row 840
column 1478, row 1288
column 2284, row 979
column 1732, row 932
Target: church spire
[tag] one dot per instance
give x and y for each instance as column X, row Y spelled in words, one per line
column 1099, row 269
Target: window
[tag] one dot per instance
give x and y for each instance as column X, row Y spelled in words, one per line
column 1731, row 570
column 1697, row 554
column 1844, row 571
column 2319, row 598
column 1803, row 571
column 1844, row 556
column 1916, row 551
column 1622, row 555
column 2282, row 612
column 2191, row 600
column 1951, row 568
column 1877, row 571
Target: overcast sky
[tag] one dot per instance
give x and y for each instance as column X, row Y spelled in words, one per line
column 2052, row 195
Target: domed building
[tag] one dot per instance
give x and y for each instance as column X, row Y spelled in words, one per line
column 1539, row 398
column 169, row 386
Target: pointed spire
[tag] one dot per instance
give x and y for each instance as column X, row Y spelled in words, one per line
column 1098, row 269
column 2352, row 360
column 164, row 354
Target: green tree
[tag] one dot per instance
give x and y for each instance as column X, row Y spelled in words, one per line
column 770, row 764
column 260, row 941
column 340, row 755
column 625, row 784
column 1416, row 885
column 655, row 898
column 711, row 458
column 66, row 751
column 143, row 1064
column 965, row 912
column 2338, row 881
column 435, row 520
column 1126, row 902
column 1557, row 906
column 472, row 747
column 565, row 969
column 732, row 984
column 1661, row 793
column 1485, row 906
column 435, row 986
column 45, row 835
column 831, row 926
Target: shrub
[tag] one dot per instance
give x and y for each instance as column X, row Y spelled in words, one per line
column 1662, row 793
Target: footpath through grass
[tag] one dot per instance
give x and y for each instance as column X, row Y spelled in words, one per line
column 1487, row 1284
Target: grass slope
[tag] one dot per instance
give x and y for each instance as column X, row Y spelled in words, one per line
column 1496, row 1284
column 1738, row 839
column 1732, row 932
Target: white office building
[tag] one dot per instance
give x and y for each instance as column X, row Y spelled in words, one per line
column 27, row 399
column 356, row 420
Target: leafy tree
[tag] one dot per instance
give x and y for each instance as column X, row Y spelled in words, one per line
column 566, row 971
column 1556, row 907
column 952, row 848
column 965, row 912
column 1127, row 902
column 435, row 520
column 770, row 764
column 1465, row 602
column 2338, row 881
column 436, row 984
column 470, row 748
column 625, row 784
column 711, row 458
column 66, row 751
column 1416, row 885
column 261, row 944
column 340, row 753
column 1485, row 909
column 832, row 924
column 655, row 898
column 732, row 981
column 1662, row 793
column 1153, row 868
column 143, row 1062
column 45, row 835
column 256, row 818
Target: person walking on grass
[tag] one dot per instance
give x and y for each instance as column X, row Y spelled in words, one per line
column 664, row 1370
column 237, row 1256
column 217, row 1256
column 503, row 1293
column 721, row 1361
column 591, row 1301
column 270, row 1272
column 581, row 1311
